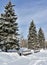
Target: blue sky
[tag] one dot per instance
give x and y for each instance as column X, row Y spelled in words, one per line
column 28, row 10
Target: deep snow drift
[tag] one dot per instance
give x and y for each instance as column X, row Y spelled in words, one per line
column 39, row 58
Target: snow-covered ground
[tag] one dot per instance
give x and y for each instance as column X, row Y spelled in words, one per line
column 39, row 58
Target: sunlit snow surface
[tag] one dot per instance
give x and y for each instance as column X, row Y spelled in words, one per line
column 39, row 58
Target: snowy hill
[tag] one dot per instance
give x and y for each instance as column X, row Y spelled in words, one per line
column 39, row 58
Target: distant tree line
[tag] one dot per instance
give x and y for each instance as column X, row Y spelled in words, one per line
column 35, row 40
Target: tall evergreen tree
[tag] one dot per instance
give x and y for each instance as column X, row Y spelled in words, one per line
column 1, row 31
column 41, row 38
column 9, row 28
column 32, row 37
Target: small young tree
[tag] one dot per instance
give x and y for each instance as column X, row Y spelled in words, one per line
column 32, row 37
column 41, row 38
column 10, row 28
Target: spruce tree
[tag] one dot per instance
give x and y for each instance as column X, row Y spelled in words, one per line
column 1, row 31
column 32, row 37
column 9, row 28
column 41, row 38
